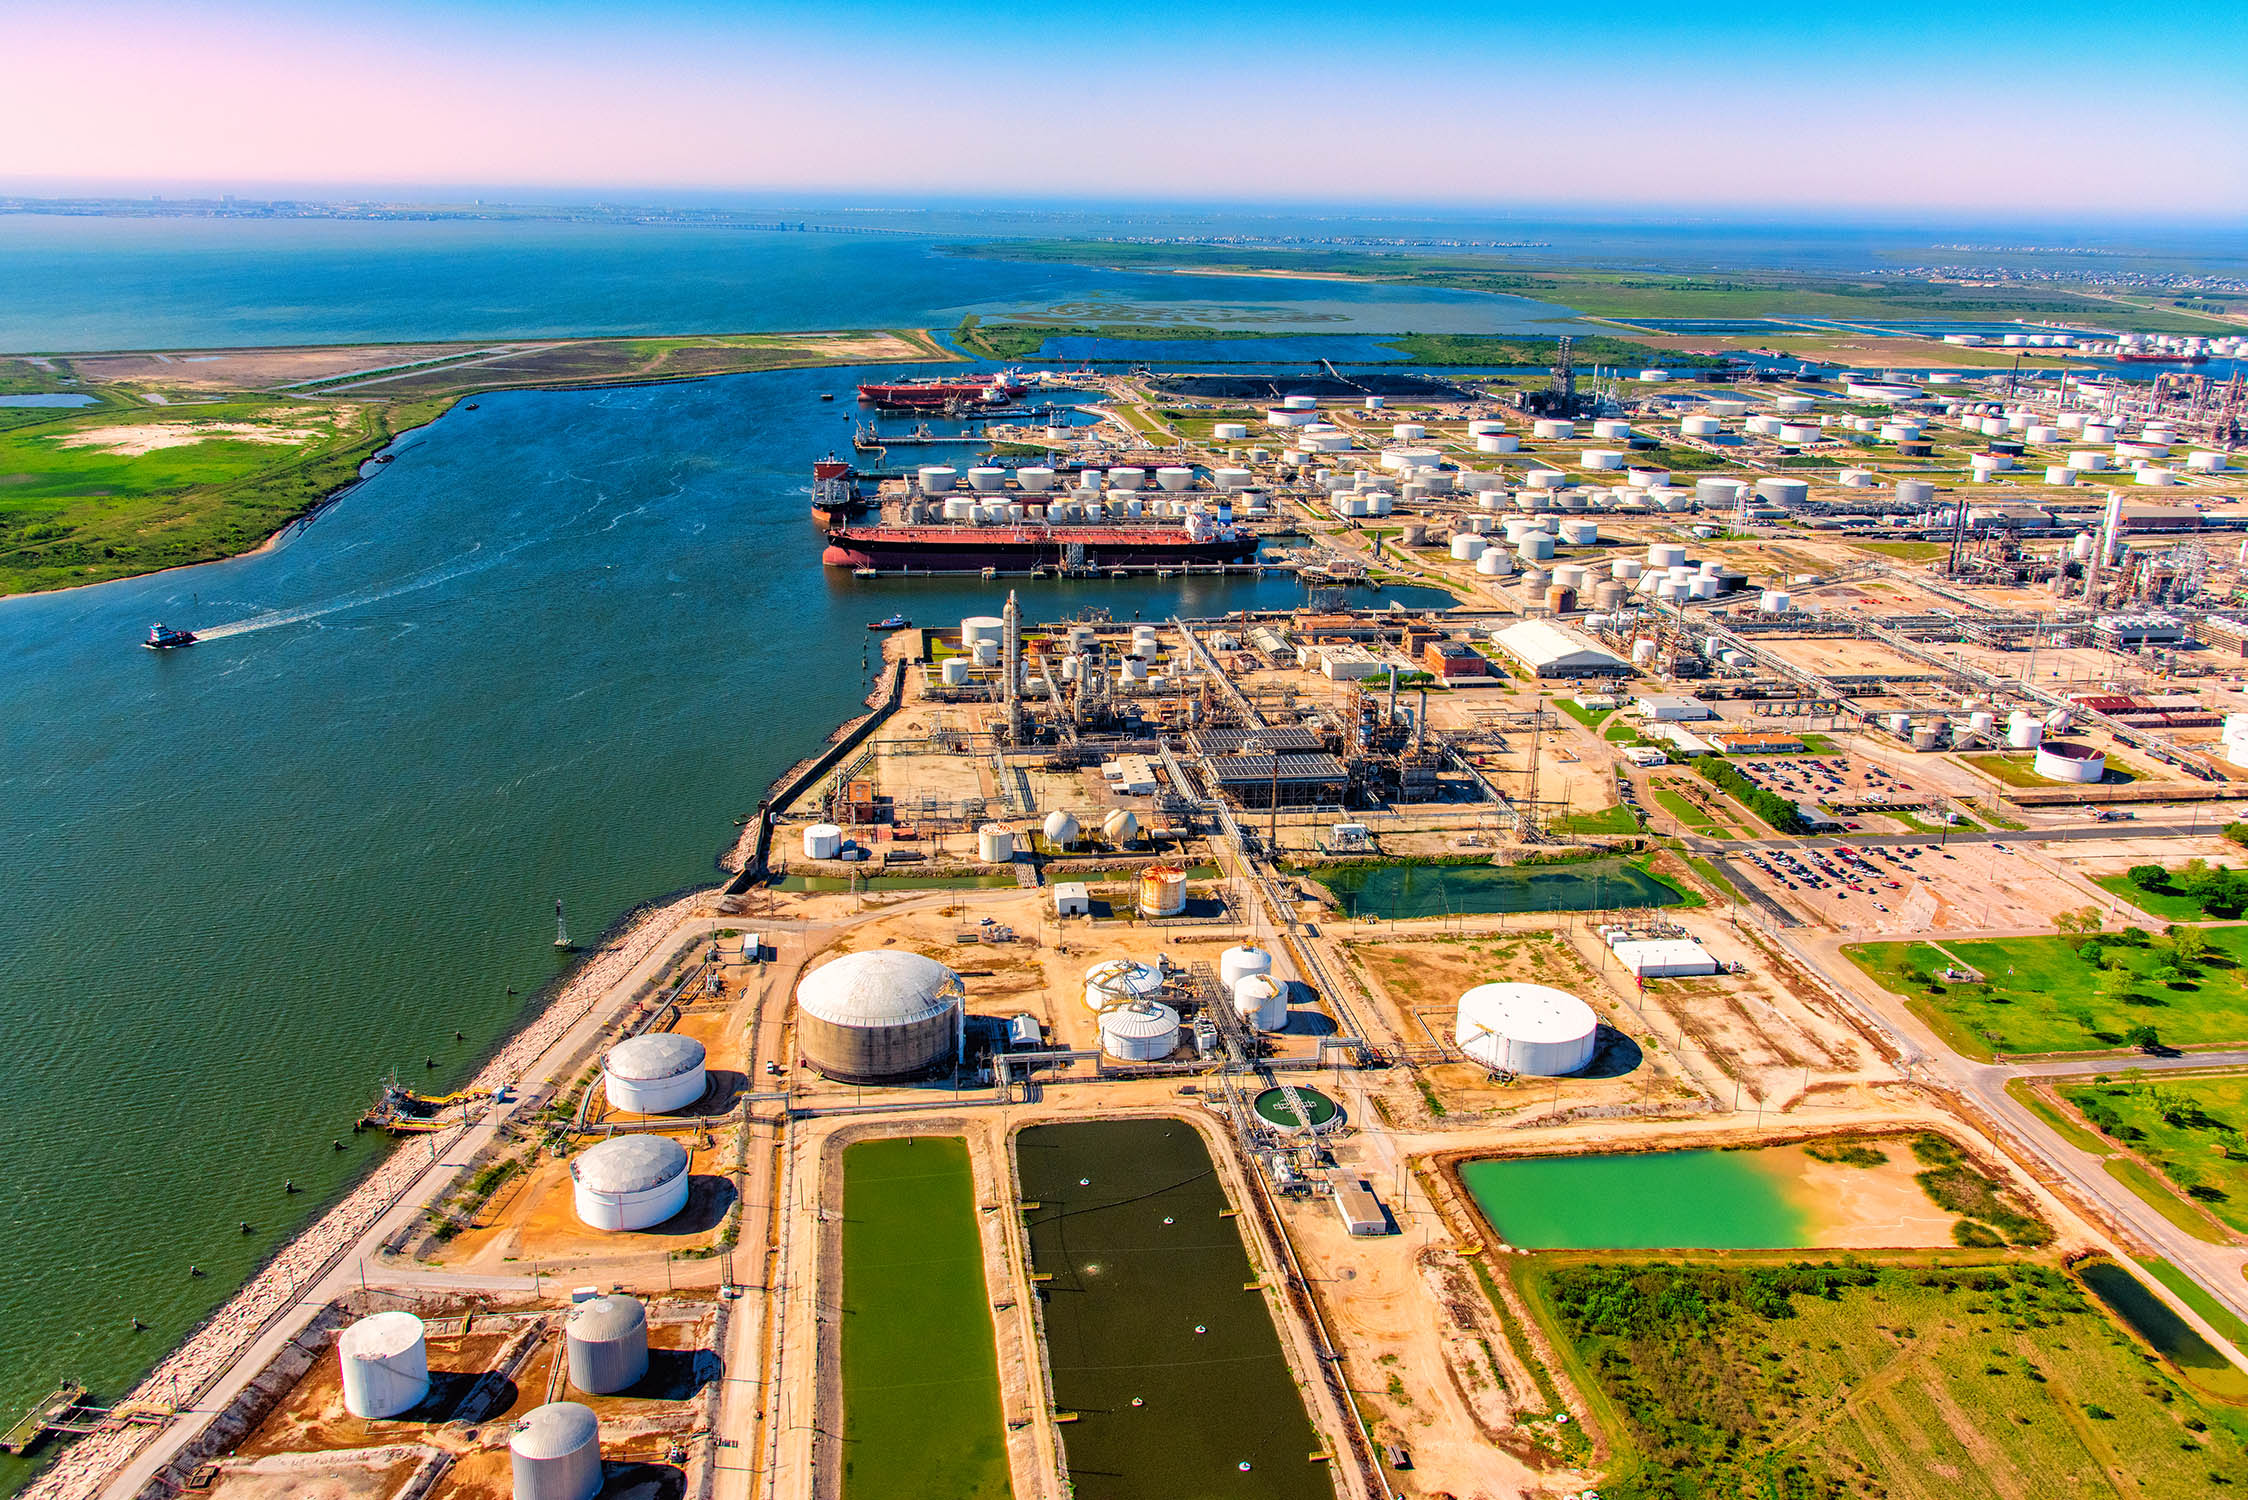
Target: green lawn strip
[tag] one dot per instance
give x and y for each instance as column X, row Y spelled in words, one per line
column 921, row 1411
column 2040, row 994
column 2195, row 1296
column 1618, row 819
column 2152, row 1191
column 2024, row 1091
column 1590, row 718
column 2193, row 892
column 1686, row 812
column 1904, row 551
column 2186, row 1128
column 1743, row 1377
column 1710, row 875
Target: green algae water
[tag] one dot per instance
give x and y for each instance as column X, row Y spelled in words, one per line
column 2172, row 1336
column 1170, row 1361
column 1407, row 890
column 554, row 649
column 920, row 1370
column 1645, row 1200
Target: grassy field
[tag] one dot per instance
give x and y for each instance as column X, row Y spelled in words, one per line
column 1617, row 819
column 2169, row 900
column 2039, row 994
column 1501, row 350
column 1903, row 551
column 2189, row 1128
column 1023, row 341
column 1907, row 1381
column 1694, row 819
column 921, row 1410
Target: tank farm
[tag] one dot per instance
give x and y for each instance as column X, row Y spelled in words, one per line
column 1391, row 888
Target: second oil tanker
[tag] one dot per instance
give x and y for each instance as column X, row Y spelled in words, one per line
column 1020, row 547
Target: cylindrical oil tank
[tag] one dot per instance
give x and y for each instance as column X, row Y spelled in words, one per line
column 1299, row 403
column 385, row 1361
column 1784, row 491
column 1121, row 981
column 630, row 1181
column 1560, row 598
column 1536, row 546
column 1498, row 442
column 1612, row 430
column 1061, row 827
column 986, row 653
column 2024, row 731
column 607, row 1341
column 954, row 671
column 1600, row 458
column 654, row 1073
column 1120, row 826
column 1126, row 479
column 1666, row 555
column 2069, row 760
column 981, row 628
column 1900, row 725
column 1261, row 1002
column 1773, row 601
column 1984, row 724
column 1526, row 1029
column 1232, row 479
column 987, row 480
column 1554, row 429
column 1174, row 478
column 1495, row 563
column 1230, row 432
column 1580, row 533
column 1236, row 964
column 1642, row 652
column 1162, row 891
column 1535, row 581
column 1611, row 595
column 1926, row 737
column 1648, row 479
column 1626, row 568
column 1915, row 492
column 823, row 841
column 1700, row 426
column 1466, row 546
column 1415, row 534
column 879, row 1016
column 555, row 1453
column 938, row 478
column 1083, row 637
column 1036, row 478
column 2059, row 474
column 1717, row 493
column 1408, row 432
column 1133, row 670
column 1144, row 1032
column 995, row 843
column 1570, row 575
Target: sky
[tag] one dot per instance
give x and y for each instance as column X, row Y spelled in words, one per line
column 2051, row 108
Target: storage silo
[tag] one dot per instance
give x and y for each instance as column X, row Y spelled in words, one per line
column 630, row 1181
column 1784, row 491
column 955, row 671
column 1580, row 533
column 1526, row 1029
column 1061, row 828
column 1238, row 963
column 1915, row 492
column 607, row 1341
column 823, row 841
column 1495, row 563
column 981, row 628
column 1144, row 1032
column 995, row 843
column 1773, row 602
column 1162, row 891
column 1466, row 546
column 938, row 478
column 880, row 1017
column 1121, row 981
column 1666, row 555
column 1700, row 426
column 555, row 1453
column 2024, row 731
column 985, row 479
column 1035, row 479
column 385, row 1360
column 654, row 1073
column 1261, row 1002
column 1600, row 458
column 1173, row 478
column 1535, row 546
column 1126, row 479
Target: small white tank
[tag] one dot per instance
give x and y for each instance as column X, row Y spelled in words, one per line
column 995, row 843
column 555, row 1453
column 1261, row 1002
column 385, row 1361
column 1236, row 964
column 823, row 841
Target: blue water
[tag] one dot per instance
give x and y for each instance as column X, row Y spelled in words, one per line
column 58, row 398
column 1307, row 348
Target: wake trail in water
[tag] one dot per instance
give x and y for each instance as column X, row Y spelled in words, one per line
column 459, row 567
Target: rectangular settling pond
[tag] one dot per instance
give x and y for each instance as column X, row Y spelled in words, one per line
column 1646, row 1200
column 1407, row 890
column 921, row 1411
column 1157, row 1342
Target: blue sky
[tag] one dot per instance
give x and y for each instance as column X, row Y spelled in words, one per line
column 2047, row 109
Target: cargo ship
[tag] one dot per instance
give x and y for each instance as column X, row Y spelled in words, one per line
column 960, row 548
column 938, row 393
column 2157, row 357
column 836, row 496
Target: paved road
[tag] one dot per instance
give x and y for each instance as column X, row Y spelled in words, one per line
column 2127, row 830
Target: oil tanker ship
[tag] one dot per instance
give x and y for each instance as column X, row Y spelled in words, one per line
column 937, row 394
column 1021, row 547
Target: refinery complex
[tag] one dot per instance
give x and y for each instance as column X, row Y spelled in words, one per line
column 1131, row 1047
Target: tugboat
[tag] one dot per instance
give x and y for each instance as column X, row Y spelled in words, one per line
column 895, row 622
column 163, row 638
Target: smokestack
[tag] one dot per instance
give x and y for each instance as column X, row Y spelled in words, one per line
column 1011, row 652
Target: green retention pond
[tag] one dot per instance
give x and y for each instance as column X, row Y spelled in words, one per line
column 1399, row 891
column 921, row 1411
column 1157, row 1340
column 1644, row 1200
column 2173, row 1337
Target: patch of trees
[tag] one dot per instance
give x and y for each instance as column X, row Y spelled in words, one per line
column 2218, row 891
column 1773, row 808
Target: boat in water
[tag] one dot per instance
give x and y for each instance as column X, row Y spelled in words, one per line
column 939, row 393
column 1021, row 548
column 2159, row 357
column 163, row 637
column 836, row 496
column 895, row 622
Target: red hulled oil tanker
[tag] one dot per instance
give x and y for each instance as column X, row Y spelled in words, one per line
column 961, row 547
column 939, row 394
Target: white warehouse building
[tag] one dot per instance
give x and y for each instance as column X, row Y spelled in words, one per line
column 1664, row 958
column 1552, row 650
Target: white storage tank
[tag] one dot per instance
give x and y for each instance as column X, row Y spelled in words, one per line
column 654, row 1073
column 1232, row 479
column 879, row 1016
column 1557, row 429
column 823, row 841
column 1145, row 1032
column 1526, row 1029
column 936, row 479
column 1784, row 491
column 1612, row 430
column 1498, row 442
column 1162, row 891
column 1601, row 458
column 1300, row 403
column 1773, row 601
column 1121, row 826
column 981, row 628
column 1466, row 546
column 606, row 1339
column 630, row 1181
column 1116, row 982
column 987, row 480
column 1718, row 493
column 1648, row 479
column 1666, row 555
column 1126, row 479
column 1915, row 492
column 1261, row 1002
column 995, row 843
column 1061, row 828
column 1236, row 964
column 1495, row 563
column 1230, row 432
column 1173, row 479
column 385, row 1360
column 1036, row 479
column 2059, row 474
column 2068, row 760
column 1626, row 568
column 986, row 653
column 1408, row 432
column 955, row 674
column 1700, row 426
column 555, row 1453
column 1856, row 479
column 1537, row 546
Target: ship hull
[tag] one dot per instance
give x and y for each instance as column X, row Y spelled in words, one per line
column 971, row 549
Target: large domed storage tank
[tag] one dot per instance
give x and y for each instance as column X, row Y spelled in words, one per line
column 1526, row 1029
column 1121, row 981
column 1061, row 827
column 654, row 1074
column 1237, row 964
column 1261, row 1002
column 1145, row 1032
column 385, row 1365
column 607, row 1340
column 630, row 1181
column 1162, row 891
column 879, row 1017
column 556, row 1453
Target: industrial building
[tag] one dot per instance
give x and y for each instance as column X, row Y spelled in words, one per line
column 1551, row 650
column 1665, row 708
column 1527, row 1029
column 1072, row 898
column 880, row 1017
column 1663, row 958
column 1450, row 659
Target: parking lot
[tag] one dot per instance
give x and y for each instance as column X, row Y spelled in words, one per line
column 1901, row 889
column 1843, row 785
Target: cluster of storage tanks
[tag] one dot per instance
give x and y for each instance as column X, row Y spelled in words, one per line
column 1125, row 996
